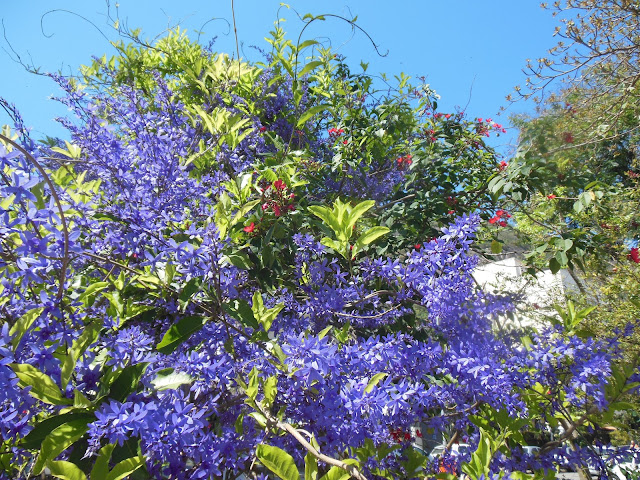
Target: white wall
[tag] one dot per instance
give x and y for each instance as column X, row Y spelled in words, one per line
column 539, row 294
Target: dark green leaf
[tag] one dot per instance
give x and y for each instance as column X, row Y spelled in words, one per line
column 241, row 311
column 179, row 332
column 127, row 381
column 35, row 437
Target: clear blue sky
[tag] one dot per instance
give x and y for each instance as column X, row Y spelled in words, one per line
column 471, row 52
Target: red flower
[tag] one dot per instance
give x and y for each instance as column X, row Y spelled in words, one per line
column 503, row 165
column 263, row 129
column 634, row 255
column 279, row 185
column 493, row 220
column 250, row 228
column 418, row 246
column 551, row 197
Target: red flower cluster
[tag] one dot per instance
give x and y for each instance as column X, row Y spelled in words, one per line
column 447, row 116
column 278, row 198
column 634, row 255
column 400, row 435
column 499, row 218
column 431, row 134
column 484, row 127
column 502, row 165
column 404, row 161
column 567, row 137
column 551, row 197
column 335, row 132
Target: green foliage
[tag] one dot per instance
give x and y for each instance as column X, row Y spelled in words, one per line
column 278, row 461
column 342, row 221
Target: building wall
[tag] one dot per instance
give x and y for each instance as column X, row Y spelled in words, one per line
column 537, row 294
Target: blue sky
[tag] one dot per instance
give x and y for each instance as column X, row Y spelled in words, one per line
column 472, row 53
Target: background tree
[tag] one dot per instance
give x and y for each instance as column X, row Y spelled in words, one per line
column 573, row 184
column 598, row 57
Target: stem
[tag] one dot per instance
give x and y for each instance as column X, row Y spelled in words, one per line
column 353, row 471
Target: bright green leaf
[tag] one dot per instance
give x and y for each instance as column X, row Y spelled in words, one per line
column 278, row 461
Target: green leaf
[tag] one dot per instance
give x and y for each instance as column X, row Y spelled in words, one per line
column 192, row 287
column 307, row 43
column 311, row 112
column 263, row 315
column 260, row 418
column 270, row 390
column 179, row 332
column 101, row 465
column 310, row 467
column 309, row 66
column 59, row 440
column 374, row 381
column 336, row 473
column 324, row 332
column 328, row 217
column 367, row 237
column 80, row 401
column 239, row 259
column 127, row 381
column 334, row 244
column 87, row 296
column 66, row 470
column 357, row 212
column 42, row 386
column 125, row 468
column 243, row 210
column 254, row 381
column 36, row 436
column 578, row 206
column 241, row 311
column 23, row 324
column 278, row 461
column 87, row 337
column 496, row 247
column 169, row 379
column 554, row 266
